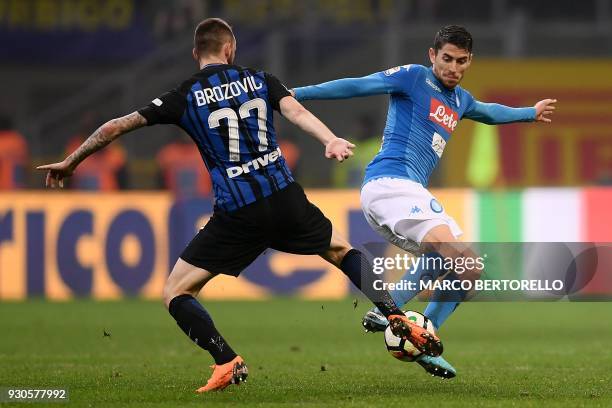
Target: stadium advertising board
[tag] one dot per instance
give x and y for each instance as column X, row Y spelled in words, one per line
column 111, row 245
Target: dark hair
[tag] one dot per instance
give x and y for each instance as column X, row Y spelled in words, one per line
column 453, row 34
column 211, row 34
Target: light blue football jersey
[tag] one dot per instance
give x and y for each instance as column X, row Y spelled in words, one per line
column 422, row 116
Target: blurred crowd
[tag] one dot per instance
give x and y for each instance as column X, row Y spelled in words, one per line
column 84, row 60
column 178, row 165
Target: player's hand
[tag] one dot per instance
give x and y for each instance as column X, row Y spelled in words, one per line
column 544, row 109
column 339, row 149
column 56, row 173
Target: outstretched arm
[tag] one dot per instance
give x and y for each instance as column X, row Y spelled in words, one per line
column 335, row 147
column 344, row 88
column 495, row 114
column 105, row 134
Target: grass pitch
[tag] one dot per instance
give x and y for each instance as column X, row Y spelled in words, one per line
column 308, row 354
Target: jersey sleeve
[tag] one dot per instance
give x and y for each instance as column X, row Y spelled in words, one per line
column 167, row 108
column 393, row 80
column 276, row 91
column 400, row 80
column 496, row 114
column 343, row 88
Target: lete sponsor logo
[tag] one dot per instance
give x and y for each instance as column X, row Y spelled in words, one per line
column 442, row 114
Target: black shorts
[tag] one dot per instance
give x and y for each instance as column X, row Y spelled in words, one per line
column 285, row 221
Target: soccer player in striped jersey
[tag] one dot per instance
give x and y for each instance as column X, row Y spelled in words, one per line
column 227, row 111
column 426, row 104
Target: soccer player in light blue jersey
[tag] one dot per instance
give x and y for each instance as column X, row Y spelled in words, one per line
column 425, row 106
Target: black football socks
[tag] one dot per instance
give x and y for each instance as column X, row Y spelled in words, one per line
column 197, row 324
column 358, row 269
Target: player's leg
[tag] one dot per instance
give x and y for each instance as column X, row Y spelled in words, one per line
column 301, row 228
column 357, row 268
column 442, row 240
column 227, row 244
column 425, row 270
column 443, row 303
column 403, row 212
column 180, row 291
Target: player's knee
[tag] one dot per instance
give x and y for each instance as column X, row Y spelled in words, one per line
column 168, row 295
column 170, row 292
column 472, row 274
column 342, row 251
column 439, row 247
column 336, row 255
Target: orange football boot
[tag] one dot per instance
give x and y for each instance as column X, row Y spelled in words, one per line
column 423, row 340
column 223, row 375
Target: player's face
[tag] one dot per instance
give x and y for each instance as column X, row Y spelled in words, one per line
column 449, row 64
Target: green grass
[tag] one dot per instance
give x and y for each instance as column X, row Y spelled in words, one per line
column 507, row 354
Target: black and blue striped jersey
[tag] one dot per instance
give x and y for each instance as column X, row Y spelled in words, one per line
column 227, row 111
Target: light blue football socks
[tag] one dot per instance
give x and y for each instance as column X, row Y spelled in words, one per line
column 444, row 302
column 426, row 270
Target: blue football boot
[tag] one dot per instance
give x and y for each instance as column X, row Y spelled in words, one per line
column 436, row 366
column 374, row 321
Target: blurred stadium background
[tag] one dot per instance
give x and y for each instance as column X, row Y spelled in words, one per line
column 69, row 65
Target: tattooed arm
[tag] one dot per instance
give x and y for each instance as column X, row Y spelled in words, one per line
column 105, row 134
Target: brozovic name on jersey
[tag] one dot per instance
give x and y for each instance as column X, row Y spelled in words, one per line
column 226, row 91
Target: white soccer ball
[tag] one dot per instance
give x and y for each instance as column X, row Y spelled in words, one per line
column 402, row 349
